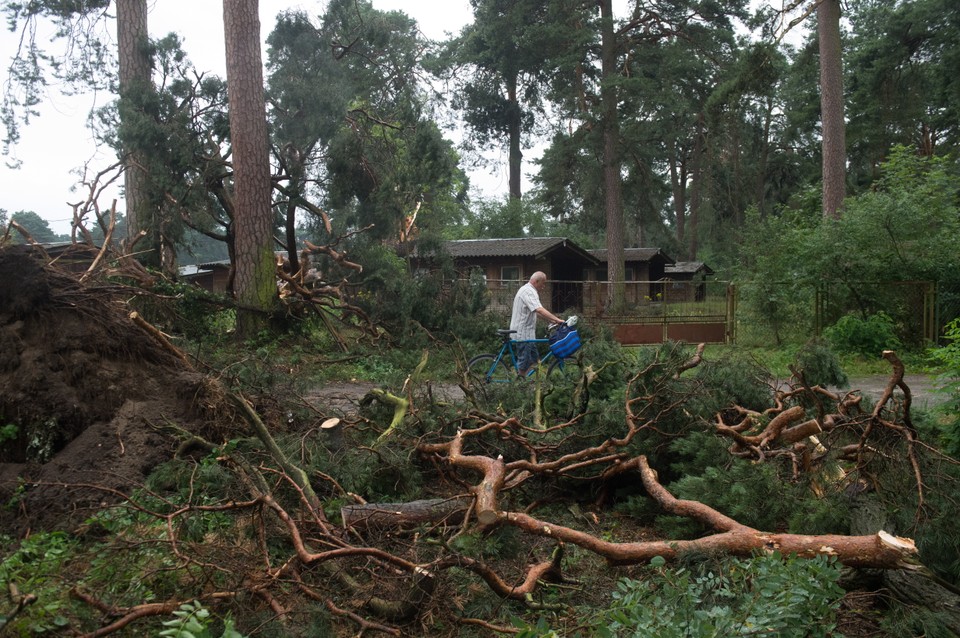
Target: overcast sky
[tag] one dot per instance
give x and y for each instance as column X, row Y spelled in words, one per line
column 58, row 142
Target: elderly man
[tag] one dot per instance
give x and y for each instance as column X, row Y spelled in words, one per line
column 526, row 308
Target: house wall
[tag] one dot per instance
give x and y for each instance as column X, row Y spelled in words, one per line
column 213, row 280
column 503, row 290
column 685, row 287
column 493, row 267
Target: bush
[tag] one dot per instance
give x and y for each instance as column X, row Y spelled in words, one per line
column 868, row 337
column 819, row 365
column 35, row 566
column 765, row 595
column 949, row 381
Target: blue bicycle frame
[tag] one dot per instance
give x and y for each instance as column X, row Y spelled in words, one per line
column 503, row 366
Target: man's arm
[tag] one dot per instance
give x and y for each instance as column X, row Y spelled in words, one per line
column 547, row 315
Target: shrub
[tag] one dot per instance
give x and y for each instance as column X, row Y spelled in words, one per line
column 819, row 365
column 949, row 381
column 35, row 566
column 868, row 337
column 766, row 595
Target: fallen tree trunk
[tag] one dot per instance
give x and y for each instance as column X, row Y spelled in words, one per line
column 880, row 550
column 447, row 511
column 917, row 587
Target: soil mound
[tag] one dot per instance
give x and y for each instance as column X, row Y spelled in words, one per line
column 84, row 395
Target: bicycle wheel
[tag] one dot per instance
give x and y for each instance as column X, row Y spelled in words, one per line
column 481, row 370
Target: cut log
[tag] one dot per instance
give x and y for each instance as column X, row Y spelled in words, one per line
column 332, row 430
column 449, row 511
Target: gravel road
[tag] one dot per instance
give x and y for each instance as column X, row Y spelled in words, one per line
column 923, row 388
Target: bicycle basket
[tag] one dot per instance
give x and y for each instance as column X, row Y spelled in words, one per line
column 564, row 341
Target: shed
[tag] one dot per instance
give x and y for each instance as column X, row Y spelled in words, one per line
column 211, row 275
column 507, row 263
column 688, row 280
column 646, row 266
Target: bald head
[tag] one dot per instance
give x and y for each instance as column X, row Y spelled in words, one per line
column 538, row 279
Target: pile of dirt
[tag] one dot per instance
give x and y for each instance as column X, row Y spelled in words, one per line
column 85, row 395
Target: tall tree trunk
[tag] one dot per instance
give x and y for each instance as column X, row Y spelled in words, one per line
column 696, row 185
column 613, row 197
column 255, row 267
column 764, row 159
column 831, row 108
column 135, row 78
column 516, row 155
column 678, row 183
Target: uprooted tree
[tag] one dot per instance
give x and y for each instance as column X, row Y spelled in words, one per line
column 252, row 513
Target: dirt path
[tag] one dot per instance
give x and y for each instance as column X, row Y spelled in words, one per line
column 923, row 388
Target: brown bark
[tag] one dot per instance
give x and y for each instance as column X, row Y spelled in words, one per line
column 493, row 471
column 447, row 511
column 134, row 74
column 544, row 571
column 513, row 129
column 613, row 195
column 696, row 186
column 159, row 337
column 254, row 282
column 879, row 550
column 831, row 108
column 678, row 184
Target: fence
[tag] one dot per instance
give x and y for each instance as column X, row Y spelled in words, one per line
column 652, row 312
column 790, row 311
column 751, row 313
column 754, row 313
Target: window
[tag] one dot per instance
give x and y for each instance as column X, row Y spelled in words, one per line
column 509, row 274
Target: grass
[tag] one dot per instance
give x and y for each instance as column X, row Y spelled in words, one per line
column 778, row 360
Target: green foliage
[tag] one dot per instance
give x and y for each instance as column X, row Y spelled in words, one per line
column 540, row 630
column 38, row 228
column 901, row 60
column 734, row 378
column 776, row 295
column 737, row 486
column 9, row 432
column 382, row 474
column 193, row 620
column 196, row 313
column 905, row 229
column 35, row 566
column 768, row 595
column 510, row 218
column 949, row 356
column 734, row 490
column 819, row 365
column 408, row 304
column 917, row 621
column 502, row 543
column 868, row 337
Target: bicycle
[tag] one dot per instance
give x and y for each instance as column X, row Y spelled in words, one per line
column 503, row 367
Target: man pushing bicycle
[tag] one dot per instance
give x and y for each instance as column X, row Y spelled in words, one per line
column 523, row 320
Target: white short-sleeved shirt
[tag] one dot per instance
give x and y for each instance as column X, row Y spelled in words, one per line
column 524, row 317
